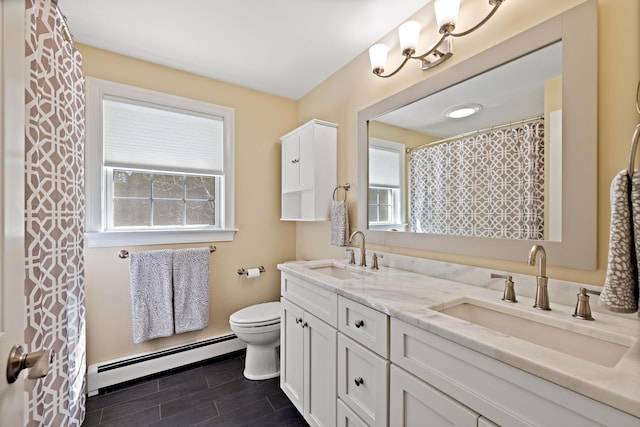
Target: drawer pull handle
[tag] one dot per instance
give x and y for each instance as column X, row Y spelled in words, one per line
column 359, row 323
column 358, row 381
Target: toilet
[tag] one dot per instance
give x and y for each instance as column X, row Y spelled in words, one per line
column 259, row 326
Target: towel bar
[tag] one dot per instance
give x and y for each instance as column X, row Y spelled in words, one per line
column 125, row 253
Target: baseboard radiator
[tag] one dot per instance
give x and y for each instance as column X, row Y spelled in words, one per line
column 106, row 374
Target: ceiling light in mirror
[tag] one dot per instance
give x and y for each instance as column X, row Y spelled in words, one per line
column 462, row 111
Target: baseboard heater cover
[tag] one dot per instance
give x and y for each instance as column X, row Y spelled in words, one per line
column 106, row 374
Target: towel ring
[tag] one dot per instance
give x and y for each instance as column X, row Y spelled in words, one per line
column 345, row 187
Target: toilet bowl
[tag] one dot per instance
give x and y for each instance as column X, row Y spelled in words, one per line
column 259, row 326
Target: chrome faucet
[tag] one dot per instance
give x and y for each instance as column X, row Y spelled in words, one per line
column 363, row 250
column 542, row 294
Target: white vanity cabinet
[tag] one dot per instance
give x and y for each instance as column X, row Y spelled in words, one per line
column 470, row 383
column 414, row 403
column 309, row 169
column 363, row 364
column 308, row 349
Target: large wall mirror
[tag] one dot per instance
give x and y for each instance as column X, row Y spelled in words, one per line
column 520, row 170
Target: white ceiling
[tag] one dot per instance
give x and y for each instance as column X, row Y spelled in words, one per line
column 282, row 47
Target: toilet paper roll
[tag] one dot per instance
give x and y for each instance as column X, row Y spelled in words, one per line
column 253, row 273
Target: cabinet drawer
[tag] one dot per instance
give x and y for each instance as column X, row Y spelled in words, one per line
column 414, row 403
column 363, row 380
column 348, row 418
column 367, row 326
column 320, row 302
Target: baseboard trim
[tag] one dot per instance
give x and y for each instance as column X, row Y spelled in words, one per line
column 109, row 373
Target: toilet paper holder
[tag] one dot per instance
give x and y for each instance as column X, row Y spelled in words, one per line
column 242, row 271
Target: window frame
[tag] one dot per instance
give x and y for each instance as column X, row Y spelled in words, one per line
column 401, row 209
column 96, row 233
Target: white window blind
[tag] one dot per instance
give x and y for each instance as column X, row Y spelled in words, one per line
column 384, row 167
column 147, row 136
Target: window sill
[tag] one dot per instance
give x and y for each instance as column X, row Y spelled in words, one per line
column 109, row 239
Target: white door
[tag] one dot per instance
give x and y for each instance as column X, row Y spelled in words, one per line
column 12, row 108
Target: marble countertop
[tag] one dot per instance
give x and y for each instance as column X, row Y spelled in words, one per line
column 416, row 298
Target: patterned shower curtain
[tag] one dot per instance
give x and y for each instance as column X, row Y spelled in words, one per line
column 54, row 218
column 486, row 185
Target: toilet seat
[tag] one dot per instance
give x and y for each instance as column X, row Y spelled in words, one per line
column 264, row 314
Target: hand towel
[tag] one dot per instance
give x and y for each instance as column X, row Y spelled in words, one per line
column 151, row 294
column 339, row 223
column 191, row 289
column 620, row 293
column 635, row 211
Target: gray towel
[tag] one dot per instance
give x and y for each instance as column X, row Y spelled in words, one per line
column 191, row 289
column 339, row 223
column 151, row 294
column 620, row 293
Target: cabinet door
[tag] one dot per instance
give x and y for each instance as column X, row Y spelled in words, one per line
column 291, row 352
column 415, row 404
column 348, row 418
column 307, row 158
column 320, row 395
column 290, row 163
column 363, row 379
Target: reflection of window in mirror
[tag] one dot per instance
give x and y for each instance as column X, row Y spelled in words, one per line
column 386, row 185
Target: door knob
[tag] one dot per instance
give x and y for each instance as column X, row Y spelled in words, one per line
column 37, row 362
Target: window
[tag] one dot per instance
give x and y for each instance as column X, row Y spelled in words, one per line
column 159, row 167
column 386, row 185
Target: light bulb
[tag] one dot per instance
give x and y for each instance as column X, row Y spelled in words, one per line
column 446, row 14
column 378, row 57
column 409, row 33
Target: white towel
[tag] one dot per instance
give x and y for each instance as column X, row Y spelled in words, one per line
column 191, row 289
column 620, row 293
column 339, row 223
column 151, row 294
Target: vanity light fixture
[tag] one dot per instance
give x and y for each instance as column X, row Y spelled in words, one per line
column 446, row 12
column 462, row 111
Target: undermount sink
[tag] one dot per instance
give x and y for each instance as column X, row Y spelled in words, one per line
column 337, row 272
column 565, row 337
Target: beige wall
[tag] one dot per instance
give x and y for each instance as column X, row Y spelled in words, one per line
column 261, row 119
column 354, row 88
column 262, row 239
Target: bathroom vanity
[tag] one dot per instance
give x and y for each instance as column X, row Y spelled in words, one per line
column 394, row 347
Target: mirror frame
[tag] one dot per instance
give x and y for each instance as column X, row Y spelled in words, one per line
column 577, row 28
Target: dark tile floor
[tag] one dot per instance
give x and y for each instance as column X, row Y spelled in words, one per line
column 212, row 393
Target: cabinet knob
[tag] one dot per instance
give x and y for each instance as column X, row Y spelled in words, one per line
column 298, row 319
column 305, row 324
column 358, row 381
column 359, row 323
column 295, row 160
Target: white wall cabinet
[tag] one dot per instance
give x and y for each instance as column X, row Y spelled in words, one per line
column 308, row 350
column 309, row 170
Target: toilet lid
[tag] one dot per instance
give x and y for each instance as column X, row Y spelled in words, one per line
column 259, row 313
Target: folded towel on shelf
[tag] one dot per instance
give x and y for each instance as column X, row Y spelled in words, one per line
column 151, row 294
column 339, row 223
column 620, row 293
column 191, row 289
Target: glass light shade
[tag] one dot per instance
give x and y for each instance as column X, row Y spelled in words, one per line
column 409, row 33
column 462, row 111
column 446, row 12
column 378, row 56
